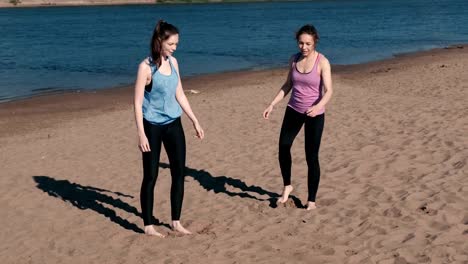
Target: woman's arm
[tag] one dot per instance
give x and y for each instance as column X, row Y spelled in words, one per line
column 184, row 103
column 327, row 88
column 142, row 76
column 281, row 93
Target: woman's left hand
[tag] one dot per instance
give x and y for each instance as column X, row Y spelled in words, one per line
column 313, row 111
column 199, row 130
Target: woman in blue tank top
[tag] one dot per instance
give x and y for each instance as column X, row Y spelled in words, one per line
column 159, row 102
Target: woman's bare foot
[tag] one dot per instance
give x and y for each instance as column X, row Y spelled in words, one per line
column 177, row 226
column 285, row 195
column 149, row 230
column 311, row 206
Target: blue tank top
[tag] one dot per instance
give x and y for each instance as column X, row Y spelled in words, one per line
column 160, row 106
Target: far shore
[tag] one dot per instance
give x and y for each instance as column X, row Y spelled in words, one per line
column 76, row 3
column 51, row 3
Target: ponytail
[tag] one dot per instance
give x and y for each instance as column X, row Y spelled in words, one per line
column 161, row 32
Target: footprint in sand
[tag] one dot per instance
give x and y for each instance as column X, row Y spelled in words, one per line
column 288, row 204
column 400, row 260
column 465, row 219
column 350, row 213
column 449, row 143
column 408, row 219
column 392, row 212
column 423, row 258
column 458, row 165
column 439, row 226
column 427, row 210
column 350, row 252
column 327, row 202
column 328, row 252
column 204, row 229
column 430, row 238
column 408, row 238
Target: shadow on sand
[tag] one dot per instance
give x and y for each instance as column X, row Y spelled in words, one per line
column 218, row 184
column 88, row 197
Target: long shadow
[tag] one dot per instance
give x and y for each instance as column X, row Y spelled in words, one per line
column 217, row 184
column 88, row 197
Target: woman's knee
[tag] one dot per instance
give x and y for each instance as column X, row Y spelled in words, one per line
column 312, row 158
column 285, row 144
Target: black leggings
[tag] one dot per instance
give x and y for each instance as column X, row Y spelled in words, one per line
column 292, row 124
column 173, row 138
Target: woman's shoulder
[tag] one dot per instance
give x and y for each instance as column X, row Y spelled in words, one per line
column 174, row 61
column 146, row 62
column 294, row 57
column 172, row 58
column 323, row 58
column 145, row 65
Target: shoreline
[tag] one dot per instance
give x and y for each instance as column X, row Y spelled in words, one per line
column 336, row 68
column 88, row 102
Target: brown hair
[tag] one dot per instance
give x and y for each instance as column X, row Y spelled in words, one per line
column 161, row 32
column 308, row 29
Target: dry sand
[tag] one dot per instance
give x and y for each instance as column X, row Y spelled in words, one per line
column 394, row 185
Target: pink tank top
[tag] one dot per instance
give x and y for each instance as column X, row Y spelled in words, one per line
column 306, row 87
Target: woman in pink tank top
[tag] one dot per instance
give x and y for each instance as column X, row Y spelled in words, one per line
column 310, row 80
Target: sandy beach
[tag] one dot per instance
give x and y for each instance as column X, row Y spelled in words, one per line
column 394, row 185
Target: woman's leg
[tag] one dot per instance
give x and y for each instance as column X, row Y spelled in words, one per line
column 292, row 124
column 174, row 143
column 313, row 136
column 150, row 171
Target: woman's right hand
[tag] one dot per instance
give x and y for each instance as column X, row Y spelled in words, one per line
column 144, row 144
column 199, row 130
column 267, row 111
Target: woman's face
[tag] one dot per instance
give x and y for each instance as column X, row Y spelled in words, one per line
column 306, row 44
column 169, row 45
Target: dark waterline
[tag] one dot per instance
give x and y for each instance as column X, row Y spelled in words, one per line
column 52, row 50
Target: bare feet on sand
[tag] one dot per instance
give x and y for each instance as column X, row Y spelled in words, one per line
column 149, row 230
column 311, row 206
column 285, row 195
column 177, row 226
